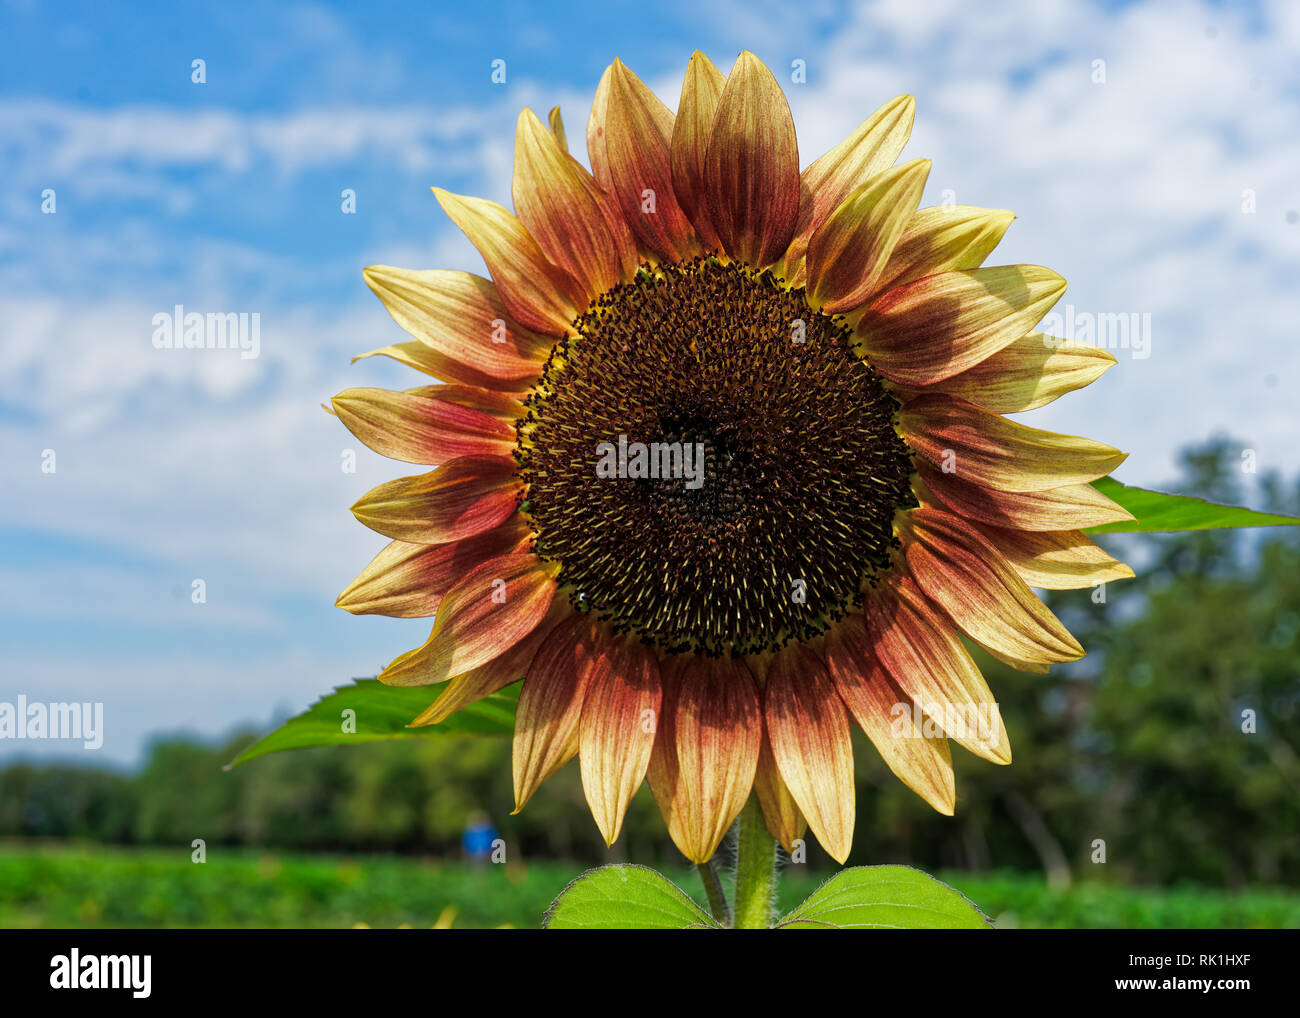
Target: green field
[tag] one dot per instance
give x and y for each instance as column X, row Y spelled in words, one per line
column 62, row 885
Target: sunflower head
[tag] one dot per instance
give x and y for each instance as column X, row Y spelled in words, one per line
column 724, row 463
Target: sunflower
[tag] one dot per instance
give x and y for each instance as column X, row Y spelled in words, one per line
column 815, row 494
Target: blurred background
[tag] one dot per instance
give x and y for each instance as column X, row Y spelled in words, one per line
column 253, row 159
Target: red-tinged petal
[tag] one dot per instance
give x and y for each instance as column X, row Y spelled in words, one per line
column 751, row 167
column 828, row 180
column 848, row 253
column 691, row 132
column 420, row 429
column 465, row 333
column 489, row 678
column 407, row 581
column 560, row 204
column 556, row 125
column 1031, row 372
column 924, row 656
column 719, row 731
column 809, row 733
column 989, row 450
column 536, row 293
column 963, row 573
column 781, row 814
column 597, row 154
column 887, row 715
column 459, row 499
column 1069, row 507
column 871, row 149
column 631, row 157
column 1056, row 560
column 664, row 774
column 547, row 720
column 943, row 238
column 503, row 406
column 928, row 330
column 620, row 715
column 486, row 613
column 422, row 357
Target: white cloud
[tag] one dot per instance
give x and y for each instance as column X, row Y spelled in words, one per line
column 73, row 139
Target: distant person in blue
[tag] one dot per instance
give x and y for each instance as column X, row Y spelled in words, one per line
column 478, row 837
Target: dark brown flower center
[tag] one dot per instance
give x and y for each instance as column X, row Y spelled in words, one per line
column 710, row 463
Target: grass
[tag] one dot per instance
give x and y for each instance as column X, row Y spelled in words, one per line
column 76, row 886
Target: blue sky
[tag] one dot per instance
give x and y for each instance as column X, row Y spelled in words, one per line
column 225, row 196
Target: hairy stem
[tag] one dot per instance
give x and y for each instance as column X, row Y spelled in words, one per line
column 713, row 888
column 755, row 871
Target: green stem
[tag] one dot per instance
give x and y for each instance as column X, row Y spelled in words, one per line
column 713, row 888
column 755, row 871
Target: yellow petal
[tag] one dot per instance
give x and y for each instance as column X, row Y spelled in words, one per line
column 1027, row 374
column 619, row 716
column 871, row 149
column 550, row 706
column 488, row 678
column 1069, row 507
column 809, row 734
column 632, row 159
column 692, row 129
column 781, row 814
column 538, row 294
column 464, row 331
column 887, row 716
column 504, row 406
column 719, row 729
column 989, row 450
column 963, row 573
column 848, row 254
column 407, row 581
column 559, row 203
column 943, row 238
column 490, row 610
column 1056, row 560
column 422, row 357
column 928, row 330
column 664, row 774
column 418, row 428
column 556, row 124
column 459, row 499
column 925, row 657
column 752, row 166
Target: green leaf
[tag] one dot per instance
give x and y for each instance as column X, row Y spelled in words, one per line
column 1154, row 511
column 884, row 897
column 383, row 712
column 625, row 897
